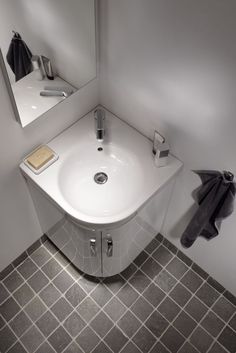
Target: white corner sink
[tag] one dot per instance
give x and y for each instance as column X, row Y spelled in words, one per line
column 122, row 169
column 126, row 158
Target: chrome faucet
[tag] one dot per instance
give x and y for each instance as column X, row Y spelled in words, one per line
column 99, row 116
column 50, row 91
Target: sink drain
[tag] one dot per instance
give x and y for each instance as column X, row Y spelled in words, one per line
column 100, row 178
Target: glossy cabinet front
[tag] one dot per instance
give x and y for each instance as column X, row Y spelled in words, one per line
column 101, row 252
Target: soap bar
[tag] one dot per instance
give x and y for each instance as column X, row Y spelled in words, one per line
column 40, row 157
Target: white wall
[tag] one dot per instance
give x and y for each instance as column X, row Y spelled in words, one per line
column 171, row 65
column 64, row 31
column 19, row 226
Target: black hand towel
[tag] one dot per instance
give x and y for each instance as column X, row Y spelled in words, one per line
column 215, row 198
column 19, row 57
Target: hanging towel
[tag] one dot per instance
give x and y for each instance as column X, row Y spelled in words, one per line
column 215, row 198
column 19, row 57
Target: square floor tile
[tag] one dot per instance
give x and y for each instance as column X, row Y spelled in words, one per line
column 7, row 339
column 114, row 283
column 50, row 294
column 9, row 309
column 61, row 309
column 27, row 268
column 129, row 324
column 232, row 322
column 87, row 339
column 199, row 271
column 224, row 308
column 156, row 323
column 201, row 339
column 51, row 268
column 207, row 294
column 172, row 339
column 32, row 339
column 153, row 245
column 141, row 308
column 38, row 281
column 35, row 308
column 63, row 281
column 212, row 324
column 188, row 348
column 24, row 294
column 154, row 294
column 102, row 348
column 2, row 322
column 20, row 323
column 4, row 294
column 184, row 324
column 4, row 273
column 170, row 246
column 74, row 324
column 162, row 255
column 169, row 309
column 59, row 339
column 184, row 258
column 73, row 348
column 115, row 309
column 216, row 285
column 196, row 309
column 13, row 281
column 139, row 281
column 115, row 339
column 127, row 295
column 129, row 271
column 45, row 348
column 151, row 268
column 144, row 339
column 101, row 294
column 139, row 260
column 217, row 348
column 40, row 256
column 88, row 283
column 130, row 347
column 47, row 323
column 87, row 309
column 192, row 281
column 17, row 348
column 159, row 348
column 228, row 339
column 180, row 294
column 177, row 268
column 75, row 295
column 101, row 324
column 165, row 281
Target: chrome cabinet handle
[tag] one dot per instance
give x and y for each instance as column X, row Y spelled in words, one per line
column 109, row 246
column 93, row 250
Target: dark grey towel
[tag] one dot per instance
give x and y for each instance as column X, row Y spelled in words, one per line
column 215, row 198
column 19, row 57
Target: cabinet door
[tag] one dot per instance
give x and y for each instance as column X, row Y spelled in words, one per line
column 122, row 245
column 80, row 245
column 119, row 247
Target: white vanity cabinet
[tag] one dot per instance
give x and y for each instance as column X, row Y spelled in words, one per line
column 98, row 251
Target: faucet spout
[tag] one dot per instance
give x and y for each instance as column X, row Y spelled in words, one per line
column 99, row 116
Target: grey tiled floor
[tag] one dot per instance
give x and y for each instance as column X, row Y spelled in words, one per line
column 161, row 303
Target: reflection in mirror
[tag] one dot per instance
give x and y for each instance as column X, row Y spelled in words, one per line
column 48, row 52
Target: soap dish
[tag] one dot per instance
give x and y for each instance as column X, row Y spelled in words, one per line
column 40, row 159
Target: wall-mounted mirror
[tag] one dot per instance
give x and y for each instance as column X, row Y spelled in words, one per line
column 48, row 52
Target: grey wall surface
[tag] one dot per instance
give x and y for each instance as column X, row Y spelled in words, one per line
column 171, row 65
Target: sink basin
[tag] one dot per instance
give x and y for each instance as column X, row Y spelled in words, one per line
column 130, row 177
column 125, row 176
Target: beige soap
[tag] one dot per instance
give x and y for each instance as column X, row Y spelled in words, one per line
column 40, row 157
